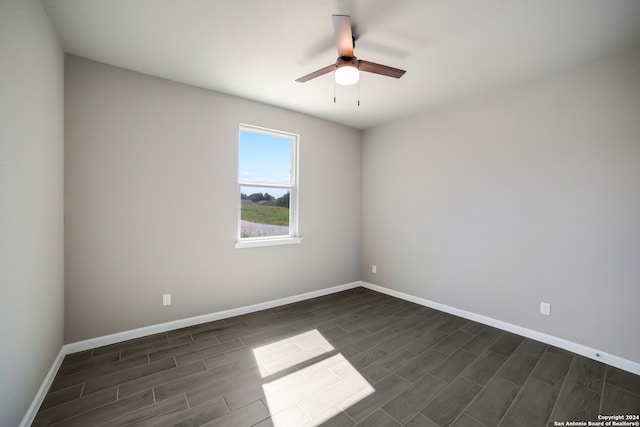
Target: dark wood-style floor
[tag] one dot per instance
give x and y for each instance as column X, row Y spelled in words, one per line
column 355, row 357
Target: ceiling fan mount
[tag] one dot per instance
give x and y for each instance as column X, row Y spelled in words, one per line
column 347, row 67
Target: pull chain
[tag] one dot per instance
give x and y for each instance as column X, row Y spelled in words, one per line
column 334, row 90
column 358, row 93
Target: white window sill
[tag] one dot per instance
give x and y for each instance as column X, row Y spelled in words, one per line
column 256, row 243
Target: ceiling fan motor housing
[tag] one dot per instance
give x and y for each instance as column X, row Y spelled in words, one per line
column 347, row 61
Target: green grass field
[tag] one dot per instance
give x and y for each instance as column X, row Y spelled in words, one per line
column 273, row 215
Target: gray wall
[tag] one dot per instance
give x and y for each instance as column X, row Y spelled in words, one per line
column 495, row 204
column 31, row 203
column 150, row 203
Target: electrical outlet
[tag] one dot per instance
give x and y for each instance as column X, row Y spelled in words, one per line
column 166, row 299
column 545, row 308
column 373, row 268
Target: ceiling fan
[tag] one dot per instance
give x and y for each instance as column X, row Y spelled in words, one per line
column 347, row 67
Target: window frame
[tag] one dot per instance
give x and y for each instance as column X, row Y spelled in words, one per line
column 293, row 187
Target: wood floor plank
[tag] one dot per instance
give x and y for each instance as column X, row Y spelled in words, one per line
column 518, row 367
column 466, row 421
column 409, row 402
column 246, row 416
column 87, row 364
column 426, row 341
column 382, row 323
column 586, row 373
column 62, row 396
column 421, row 421
column 265, row 337
column 331, row 334
column 399, row 340
column 379, row 419
column 493, row 401
column 372, row 340
column 450, row 403
column 96, row 372
column 242, row 396
column 110, row 411
column 386, row 389
column 186, row 331
column 472, row 327
column 510, row 422
column 339, row 420
column 437, row 322
column 368, row 357
column 207, row 352
column 74, row 407
column 484, row 367
column 619, row 401
column 350, row 389
column 348, row 338
column 452, row 366
column 196, row 416
column 160, row 378
column 453, row 342
column 76, row 357
column 126, row 375
column 243, row 329
column 390, row 363
column 533, row 347
column 220, row 384
column 552, row 368
column 130, row 344
column 150, row 415
column 300, row 389
column 622, row 379
column 243, row 357
column 412, row 322
column 360, row 321
column 421, row 364
column 576, row 403
column 210, row 343
column 154, row 347
column 480, row 342
column 534, row 404
column 200, row 379
column 506, row 344
column 452, row 325
column 558, row 350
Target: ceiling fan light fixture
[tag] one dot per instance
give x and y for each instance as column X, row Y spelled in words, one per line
column 347, row 72
column 347, row 75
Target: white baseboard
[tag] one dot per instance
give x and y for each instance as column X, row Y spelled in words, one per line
column 600, row 356
column 30, row 415
column 191, row 321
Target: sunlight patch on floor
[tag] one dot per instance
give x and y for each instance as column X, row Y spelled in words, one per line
column 312, row 393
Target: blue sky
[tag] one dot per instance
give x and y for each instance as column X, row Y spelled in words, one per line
column 264, row 159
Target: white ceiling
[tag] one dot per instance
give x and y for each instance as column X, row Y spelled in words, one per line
column 255, row 49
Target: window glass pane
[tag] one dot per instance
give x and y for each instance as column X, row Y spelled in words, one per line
column 264, row 159
column 264, row 212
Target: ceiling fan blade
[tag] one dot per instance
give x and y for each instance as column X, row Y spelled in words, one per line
column 318, row 73
column 344, row 37
column 372, row 67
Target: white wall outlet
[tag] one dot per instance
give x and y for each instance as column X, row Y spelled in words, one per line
column 166, row 299
column 374, row 268
column 545, row 308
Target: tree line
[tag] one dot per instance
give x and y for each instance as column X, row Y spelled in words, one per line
column 259, row 197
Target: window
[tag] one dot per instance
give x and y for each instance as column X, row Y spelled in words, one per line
column 267, row 187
